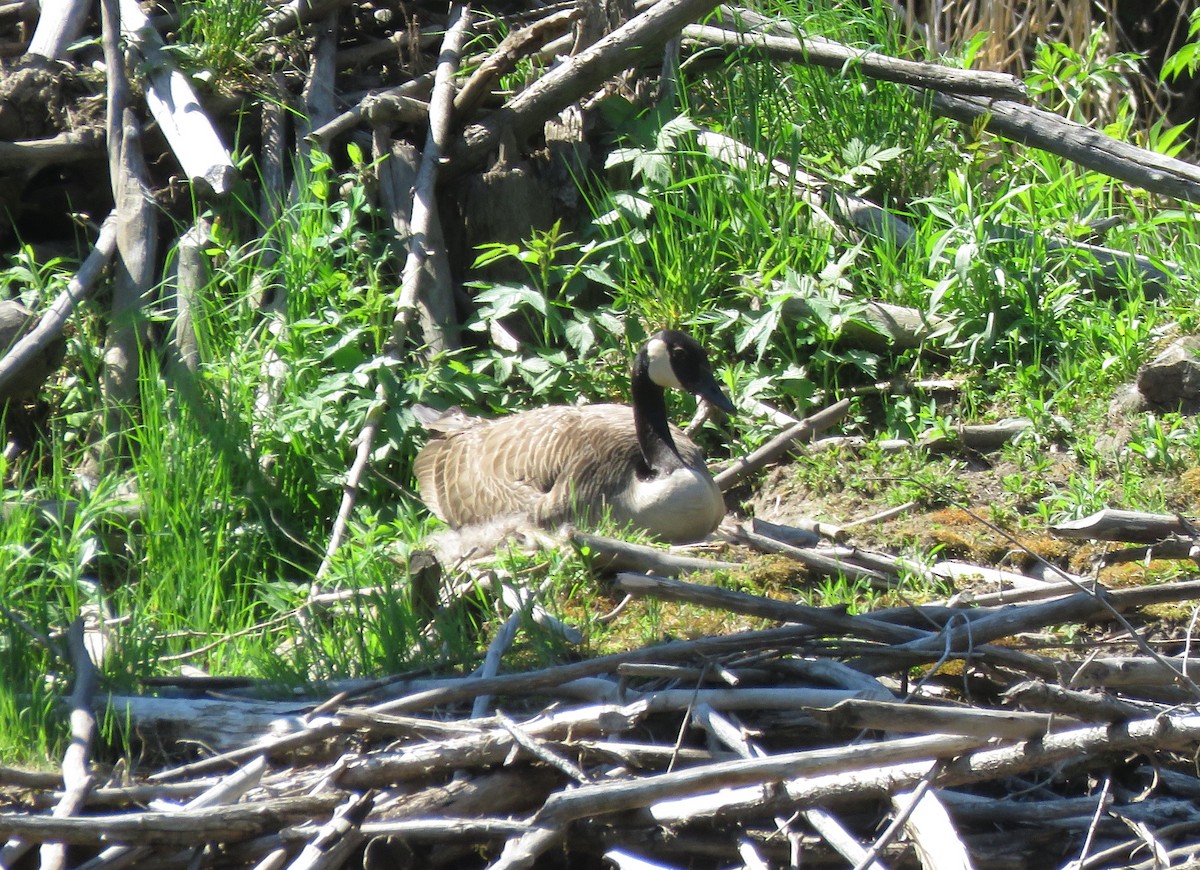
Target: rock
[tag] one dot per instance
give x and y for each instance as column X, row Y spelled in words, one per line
column 1172, row 379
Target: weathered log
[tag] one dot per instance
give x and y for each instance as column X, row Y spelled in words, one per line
column 290, row 15
column 398, row 169
column 924, row 719
column 1089, row 148
column 781, row 444
column 610, row 554
column 926, row 822
column 821, row 618
column 453, row 691
column 133, row 279
column 823, row 561
column 1086, row 706
column 67, row 147
column 331, row 845
column 1134, row 527
column 77, row 781
column 606, row 798
column 192, row 828
column 488, row 747
column 504, row 58
column 352, row 116
column 955, row 572
column 833, row 55
column 800, row 532
column 821, row 820
column 226, row 791
column 193, row 139
column 219, row 724
column 191, row 274
column 424, row 207
column 981, row 437
column 977, row 765
column 60, row 24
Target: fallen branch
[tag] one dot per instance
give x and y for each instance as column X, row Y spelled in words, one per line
column 50, row 325
column 833, row 55
column 192, row 137
column 781, row 444
column 441, row 106
column 1089, row 148
column 180, row 829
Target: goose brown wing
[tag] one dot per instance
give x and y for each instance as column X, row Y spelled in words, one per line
column 534, row 463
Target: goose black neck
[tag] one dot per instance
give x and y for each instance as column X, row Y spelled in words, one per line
column 650, row 421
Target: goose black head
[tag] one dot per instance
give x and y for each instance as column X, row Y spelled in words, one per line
column 675, row 359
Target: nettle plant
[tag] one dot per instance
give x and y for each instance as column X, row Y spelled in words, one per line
column 557, row 336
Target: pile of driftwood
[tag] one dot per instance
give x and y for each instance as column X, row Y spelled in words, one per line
column 940, row 734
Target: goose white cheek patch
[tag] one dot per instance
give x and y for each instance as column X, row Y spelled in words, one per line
column 660, row 364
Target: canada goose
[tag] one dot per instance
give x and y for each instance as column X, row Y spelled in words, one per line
column 565, row 462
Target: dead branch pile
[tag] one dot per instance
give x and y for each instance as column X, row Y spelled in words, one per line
column 938, row 734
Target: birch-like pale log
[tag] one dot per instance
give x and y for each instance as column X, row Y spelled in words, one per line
column 59, row 24
column 193, row 138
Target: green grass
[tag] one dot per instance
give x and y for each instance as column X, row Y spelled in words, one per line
column 239, row 468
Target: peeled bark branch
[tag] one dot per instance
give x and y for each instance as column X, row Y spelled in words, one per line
column 173, row 103
column 627, row 46
column 833, row 55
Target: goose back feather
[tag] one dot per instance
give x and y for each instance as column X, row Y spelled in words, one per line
column 574, row 463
